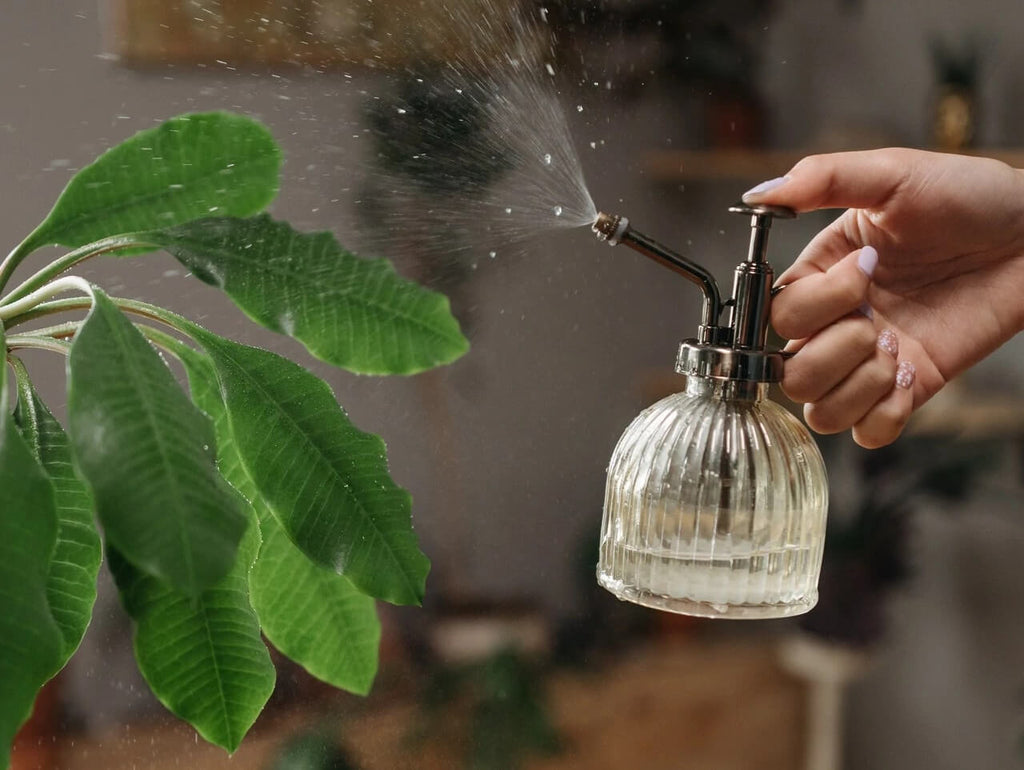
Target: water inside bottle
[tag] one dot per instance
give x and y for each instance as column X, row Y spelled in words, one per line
column 772, row 582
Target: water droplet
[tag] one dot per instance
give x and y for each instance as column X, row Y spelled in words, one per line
column 547, row 159
column 579, row 108
column 401, row 111
column 593, row 145
column 550, row 69
column 558, row 211
column 493, row 254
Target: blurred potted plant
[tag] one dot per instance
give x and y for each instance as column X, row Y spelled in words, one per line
column 502, row 696
column 867, row 557
column 704, row 48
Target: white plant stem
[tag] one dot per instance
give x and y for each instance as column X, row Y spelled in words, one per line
column 50, row 290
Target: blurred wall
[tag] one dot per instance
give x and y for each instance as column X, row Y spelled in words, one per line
column 840, row 70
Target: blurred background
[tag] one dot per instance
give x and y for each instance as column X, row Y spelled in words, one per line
column 915, row 654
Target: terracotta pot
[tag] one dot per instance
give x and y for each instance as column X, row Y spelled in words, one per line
column 35, row 745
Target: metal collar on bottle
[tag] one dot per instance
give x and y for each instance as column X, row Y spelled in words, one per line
column 728, row 363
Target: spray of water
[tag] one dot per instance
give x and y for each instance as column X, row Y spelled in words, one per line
column 471, row 153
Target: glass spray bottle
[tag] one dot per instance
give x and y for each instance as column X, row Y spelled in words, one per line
column 716, row 496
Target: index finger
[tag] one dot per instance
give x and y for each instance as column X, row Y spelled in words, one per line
column 864, row 179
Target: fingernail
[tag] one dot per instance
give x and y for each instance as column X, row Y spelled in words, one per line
column 764, row 187
column 905, row 373
column 865, row 310
column 867, row 260
column 890, row 343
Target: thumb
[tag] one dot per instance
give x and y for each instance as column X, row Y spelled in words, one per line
column 860, row 180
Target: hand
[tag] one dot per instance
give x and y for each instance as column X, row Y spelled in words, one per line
column 919, row 279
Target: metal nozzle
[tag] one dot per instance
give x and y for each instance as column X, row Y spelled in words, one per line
column 610, row 227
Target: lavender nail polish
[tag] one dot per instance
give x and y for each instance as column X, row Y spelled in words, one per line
column 867, row 260
column 889, row 342
column 764, row 187
column 905, row 374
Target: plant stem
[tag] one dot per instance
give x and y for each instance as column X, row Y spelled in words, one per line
column 72, row 258
column 47, row 308
column 59, row 286
column 16, row 341
column 58, row 331
column 10, row 264
column 133, row 306
column 172, row 345
column 30, row 428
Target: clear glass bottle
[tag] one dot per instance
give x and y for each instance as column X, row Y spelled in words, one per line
column 715, row 506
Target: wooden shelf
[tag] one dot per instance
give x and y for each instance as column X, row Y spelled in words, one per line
column 674, row 166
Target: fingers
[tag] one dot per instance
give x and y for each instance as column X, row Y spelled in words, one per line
column 830, row 358
column 861, row 180
column 884, row 422
column 816, row 299
column 848, row 377
column 850, row 402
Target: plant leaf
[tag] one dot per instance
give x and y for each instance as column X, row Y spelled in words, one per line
column 71, row 585
column 313, row 615
column 202, row 657
column 325, row 480
column 146, row 453
column 181, row 170
column 355, row 313
column 30, row 641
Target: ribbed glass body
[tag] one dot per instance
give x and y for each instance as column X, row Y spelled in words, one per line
column 715, row 506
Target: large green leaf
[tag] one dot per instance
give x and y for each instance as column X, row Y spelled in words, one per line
column 313, row 615
column 186, row 168
column 30, row 641
column 202, row 657
column 325, row 480
column 147, row 453
column 71, row 585
column 351, row 312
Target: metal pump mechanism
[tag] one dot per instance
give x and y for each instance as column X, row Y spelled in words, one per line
column 736, row 350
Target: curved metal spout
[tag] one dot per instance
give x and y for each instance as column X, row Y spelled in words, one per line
column 615, row 229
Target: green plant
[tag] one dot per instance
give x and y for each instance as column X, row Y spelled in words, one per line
column 253, row 505
column 507, row 720
column 867, row 548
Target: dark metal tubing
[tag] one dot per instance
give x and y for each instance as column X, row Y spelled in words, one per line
column 606, row 226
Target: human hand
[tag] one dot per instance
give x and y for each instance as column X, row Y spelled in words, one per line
column 920, row 278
